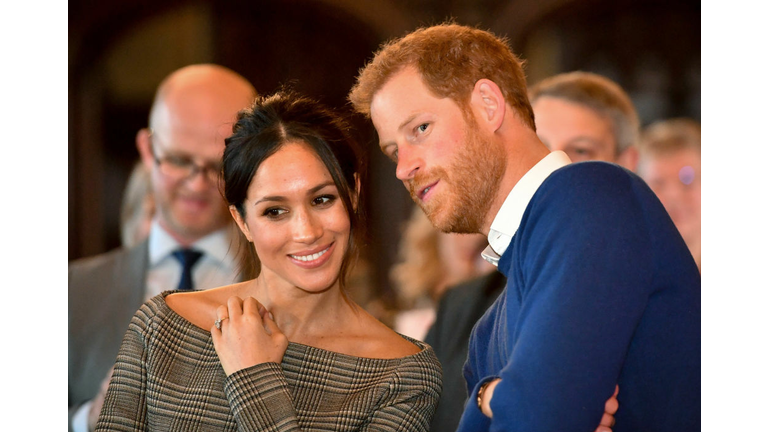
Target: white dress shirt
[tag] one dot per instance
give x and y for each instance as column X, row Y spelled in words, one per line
column 217, row 266
column 507, row 220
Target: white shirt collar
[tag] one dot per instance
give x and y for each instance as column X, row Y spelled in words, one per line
column 218, row 245
column 507, row 220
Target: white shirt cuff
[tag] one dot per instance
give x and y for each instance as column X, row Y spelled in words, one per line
column 80, row 419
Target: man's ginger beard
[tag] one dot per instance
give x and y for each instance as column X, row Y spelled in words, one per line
column 468, row 186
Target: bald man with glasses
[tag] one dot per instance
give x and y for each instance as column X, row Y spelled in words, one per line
column 191, row 243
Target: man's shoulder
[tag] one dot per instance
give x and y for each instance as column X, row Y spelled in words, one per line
column 90, row 263
column 591, row 184
column 592, row 170
column 114, row 274
column 107, row 260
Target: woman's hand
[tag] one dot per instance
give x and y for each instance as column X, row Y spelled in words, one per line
column 248, row 335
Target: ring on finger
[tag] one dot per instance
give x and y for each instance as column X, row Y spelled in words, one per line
column 218, row 322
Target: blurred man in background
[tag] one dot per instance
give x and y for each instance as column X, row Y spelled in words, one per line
column 191, row 243
column 588, row 116
column 670, row 162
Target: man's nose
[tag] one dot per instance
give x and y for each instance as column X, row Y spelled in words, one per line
column 408, row 162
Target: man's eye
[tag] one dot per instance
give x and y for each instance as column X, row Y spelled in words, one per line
column 178, row 161
column 393, row 155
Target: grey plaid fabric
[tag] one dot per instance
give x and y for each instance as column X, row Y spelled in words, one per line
column 168, row 378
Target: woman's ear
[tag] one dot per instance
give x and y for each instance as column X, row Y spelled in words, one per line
column 489, row 104
column 240, row 222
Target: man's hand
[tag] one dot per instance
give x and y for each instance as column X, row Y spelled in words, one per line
column 611, row 406
column 606, row 423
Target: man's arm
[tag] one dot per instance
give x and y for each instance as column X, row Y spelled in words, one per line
column 485, row 395
column 581, row 273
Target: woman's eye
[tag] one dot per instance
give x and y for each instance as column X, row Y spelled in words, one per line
column 324, row 199
column 273, row 212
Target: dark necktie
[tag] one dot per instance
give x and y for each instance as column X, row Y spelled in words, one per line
column 188, row 258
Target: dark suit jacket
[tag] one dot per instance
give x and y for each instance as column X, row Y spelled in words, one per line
column 104, row 293
column 458, row 311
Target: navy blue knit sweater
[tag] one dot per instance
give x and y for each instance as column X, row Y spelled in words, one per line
column 601, row 290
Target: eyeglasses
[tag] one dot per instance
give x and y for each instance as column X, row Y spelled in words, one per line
column 182, row 167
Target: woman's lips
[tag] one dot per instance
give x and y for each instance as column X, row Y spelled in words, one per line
column 312, row 259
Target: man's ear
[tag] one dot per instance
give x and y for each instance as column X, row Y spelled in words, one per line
column 144, row 145
column 240, row 222
column 489, row 104
column 628, row 158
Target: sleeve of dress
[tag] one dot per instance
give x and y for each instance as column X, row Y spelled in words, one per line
column 414, row 392
column 583, row 278
column 260, row 400
column 125, row 407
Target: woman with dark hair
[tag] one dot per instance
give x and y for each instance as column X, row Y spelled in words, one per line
column 287, row 350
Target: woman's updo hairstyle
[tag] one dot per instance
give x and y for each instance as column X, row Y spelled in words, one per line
column 286, row 117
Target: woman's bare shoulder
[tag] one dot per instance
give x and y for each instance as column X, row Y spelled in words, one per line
column 385, row 343
column 199, row 307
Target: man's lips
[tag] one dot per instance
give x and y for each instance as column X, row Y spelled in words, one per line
column 426, row 190
column 194, row 203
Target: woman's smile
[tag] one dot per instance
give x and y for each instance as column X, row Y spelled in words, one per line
column 310, row 260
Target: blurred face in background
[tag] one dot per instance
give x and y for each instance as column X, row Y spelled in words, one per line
column 193, row 114
column 189, row 204
column 574, row 129
column 675, row 177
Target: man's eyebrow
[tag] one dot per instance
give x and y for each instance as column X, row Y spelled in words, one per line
column 407, row 120
column 584, row 139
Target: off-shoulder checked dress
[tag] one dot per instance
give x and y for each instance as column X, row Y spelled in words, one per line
column 168, row 378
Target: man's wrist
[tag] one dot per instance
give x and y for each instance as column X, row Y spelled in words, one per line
column 484, row 396
column 480, row 393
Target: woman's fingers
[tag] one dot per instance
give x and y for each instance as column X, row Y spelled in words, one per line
column 235, row 307
column 269, row 324
column 222, row 315
column 251, row 306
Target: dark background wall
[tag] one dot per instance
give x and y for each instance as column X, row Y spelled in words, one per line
column 121, row 49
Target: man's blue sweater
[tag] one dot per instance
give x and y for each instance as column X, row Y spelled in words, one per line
column 601, row 291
